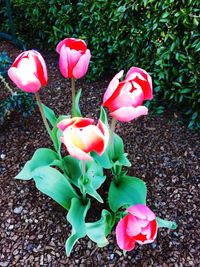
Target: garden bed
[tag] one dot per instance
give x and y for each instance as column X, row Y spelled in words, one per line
column 164, row 153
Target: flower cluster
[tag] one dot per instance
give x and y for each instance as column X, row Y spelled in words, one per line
column 89, row 150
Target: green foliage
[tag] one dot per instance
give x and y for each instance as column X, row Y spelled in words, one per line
column 166, row 224
column 5, row 63
column 20, row 102
column 42, row 157
column 127, row 191
column 76, row 217
column 54, row 184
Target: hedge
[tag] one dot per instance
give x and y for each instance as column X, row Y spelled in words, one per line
column 159, row 36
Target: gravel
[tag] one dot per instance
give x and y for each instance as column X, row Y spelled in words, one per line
column 163, row 152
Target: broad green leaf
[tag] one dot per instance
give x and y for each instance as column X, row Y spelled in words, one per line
column 41, row 157
column 72, row 168
column 165, row 223
column 76, row 217
column 97, row 231
column 128, row 191
column 50, row 115
column 77, row 98
column 55, row 185
column 103, row 117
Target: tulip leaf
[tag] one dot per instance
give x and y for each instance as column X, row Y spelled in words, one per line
column 104, row 160
column 103, row 117
column 166, row 224
column 72, row 168
column 77, row 99
column 55, row 185
column 127, row 190
column 41, row 157
column 93, row 179
column 90, row 187
column 97, row 231
column 56, row 135
column 50, row 115
column 76, row 217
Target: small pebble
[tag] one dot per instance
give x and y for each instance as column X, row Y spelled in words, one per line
column 18, row 210
column 3, row 156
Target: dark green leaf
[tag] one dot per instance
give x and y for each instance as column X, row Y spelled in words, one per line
column 55, row 185
column 50, row 115
column 41, row 157
column 128, row 191
column 76, row 217
column 97, row 231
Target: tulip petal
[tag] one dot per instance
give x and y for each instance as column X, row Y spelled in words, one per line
column 141, row 211
column 72, row 43
column 154, row 229
column 93, row 139
column 133, row 227
column 124, row 241
column 63, row 61
column 40, row 66
column 145, row 82
column 75, row 121
column 126, row 114
column 26, row 81
column 112, row 86
column 73, row 58
column 102, row 127
column 73, row 150
column 82, row 66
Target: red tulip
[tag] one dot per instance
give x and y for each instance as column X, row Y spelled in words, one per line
column 29, row 71
column 74, row 57
column 124, row 99
column 81, row 137
column 138, row 226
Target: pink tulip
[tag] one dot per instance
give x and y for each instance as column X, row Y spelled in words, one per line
column 29, row 71
column 124, row 99
column 81, row 137
column 74, row 57
column 138, row 226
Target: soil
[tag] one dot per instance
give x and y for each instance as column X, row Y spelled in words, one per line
column 163, row 152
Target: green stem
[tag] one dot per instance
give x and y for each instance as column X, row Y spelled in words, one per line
column 83, row 191
column 42, row 113
column 113, row 124
column 73, row 98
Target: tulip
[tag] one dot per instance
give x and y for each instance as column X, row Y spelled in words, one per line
column 139, row 225
column 81, row 137
column 74, row 57
column 29, row 71
column 124, row 99
column 74, row 61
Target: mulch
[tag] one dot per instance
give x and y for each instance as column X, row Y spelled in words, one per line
column 163, row 152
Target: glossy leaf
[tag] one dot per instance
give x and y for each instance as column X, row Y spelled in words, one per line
column 55, row 185
column 41, row 157
column 50, row 115
column 165, row 223
column 76, row 217
column 129, row 191
column 98, row 231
